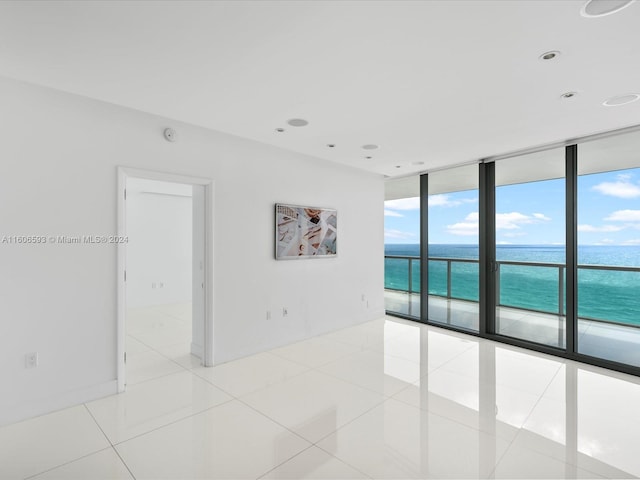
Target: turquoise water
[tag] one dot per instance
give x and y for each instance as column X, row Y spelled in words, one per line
column 602, row 294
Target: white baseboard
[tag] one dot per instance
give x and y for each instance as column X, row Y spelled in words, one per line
column 72, row 398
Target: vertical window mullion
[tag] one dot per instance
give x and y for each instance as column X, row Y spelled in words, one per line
column 487, row 239
column 424, row 248
column 571, row 208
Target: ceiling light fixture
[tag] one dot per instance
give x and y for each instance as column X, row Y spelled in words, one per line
column 371, row 146
column 398, row 166
column 368, row 157
column 298, row 122
column 568, row 95
column 602, row 8
column 549, row 55
column 621, row 100
column 331, row 145
column 279, row 130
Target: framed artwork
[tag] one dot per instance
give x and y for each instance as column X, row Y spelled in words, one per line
column 305, row 232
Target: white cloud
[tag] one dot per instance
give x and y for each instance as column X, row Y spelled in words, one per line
column 513, row 234
column 514, row 220
column 509, row 221
column 504, row 221
column 439, row 201
column 605, row 241
column 391, row 213
column 604, row 228
column 398, row 235
column 624, row 216
column 403, row 204
column 467, row 227
column 502, row 242
column 623, row 188
column 631, row 242
column 444, row 201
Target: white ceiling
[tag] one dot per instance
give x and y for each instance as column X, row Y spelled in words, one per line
column 439, row 82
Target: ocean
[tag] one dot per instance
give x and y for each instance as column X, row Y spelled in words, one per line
column 602, row 294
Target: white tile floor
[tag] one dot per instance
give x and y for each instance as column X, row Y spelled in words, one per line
column 386, row 399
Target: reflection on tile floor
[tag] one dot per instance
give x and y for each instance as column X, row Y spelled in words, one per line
column 619, row 343
column 386, row 399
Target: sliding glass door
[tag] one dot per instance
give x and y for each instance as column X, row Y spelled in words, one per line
column 453, row 247
column 609, row 249
column 530, row 248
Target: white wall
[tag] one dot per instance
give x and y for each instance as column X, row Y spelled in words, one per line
column 58, row 175
column 159, row 231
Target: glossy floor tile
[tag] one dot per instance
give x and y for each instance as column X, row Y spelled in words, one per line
column 315, row 352
column 251, row 373
column 526, row 464
column 386, row 399
column 314, row 463
column 147, row 366
column 313, row 404
column 42, row 443
column 229, row 441
column 181, row 354
column 155, row 403
column 103, row 465
column 384, row 374
column 395, row 440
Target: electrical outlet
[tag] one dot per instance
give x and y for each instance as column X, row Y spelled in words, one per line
column 284, row 311
column 161, row 285
column 31, row 360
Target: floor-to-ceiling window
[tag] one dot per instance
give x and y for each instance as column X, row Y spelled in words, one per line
column 530, row 247
column 453, row 247
column 539, row 250
column 609, row 249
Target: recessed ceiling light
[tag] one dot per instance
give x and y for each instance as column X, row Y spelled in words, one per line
column 279, row 130
column 569, row 95
column 371, row 146
column 298, row 122
column 602, row 8
column 549, row 55
column 621, row 100
column 368, row 157
column 398, row 166
column 331, row 145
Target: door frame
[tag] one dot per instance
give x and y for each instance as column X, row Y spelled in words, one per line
column 123, row 174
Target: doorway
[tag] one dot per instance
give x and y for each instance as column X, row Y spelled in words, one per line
column 164, row 272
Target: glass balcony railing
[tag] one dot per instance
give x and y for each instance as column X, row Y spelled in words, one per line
column 607, row 293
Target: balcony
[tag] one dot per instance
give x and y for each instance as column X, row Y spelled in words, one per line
column 453, row 301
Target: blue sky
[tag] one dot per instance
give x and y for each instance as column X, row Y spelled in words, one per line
column 529, row 213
